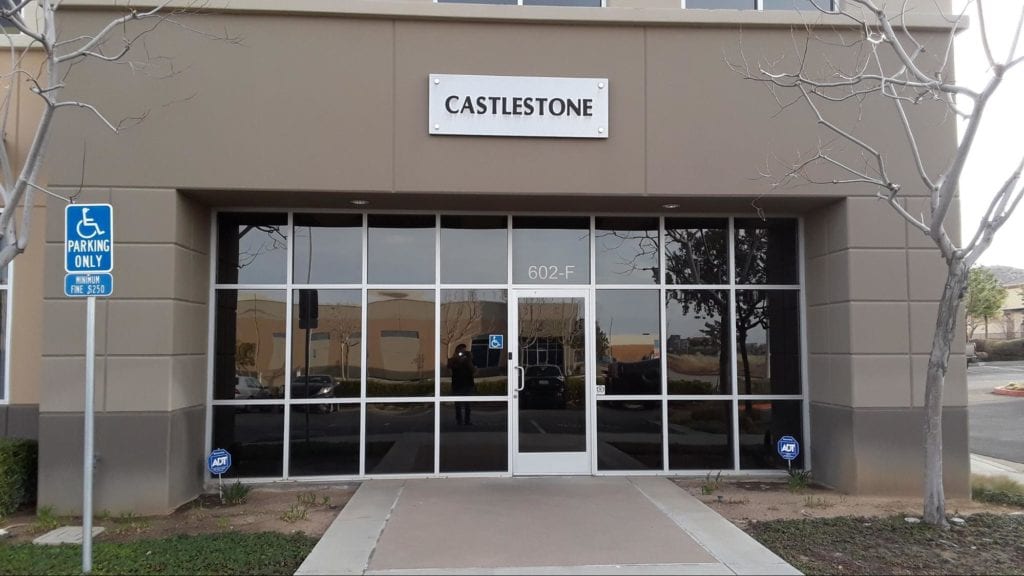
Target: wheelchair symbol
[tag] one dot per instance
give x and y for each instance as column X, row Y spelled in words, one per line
column 88, row 223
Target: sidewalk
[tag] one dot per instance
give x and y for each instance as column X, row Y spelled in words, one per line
column 987, row 466
column 549, row 525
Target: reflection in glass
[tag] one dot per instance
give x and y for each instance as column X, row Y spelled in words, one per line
column 400, row 249
column 254, row 435
column 586, row 3
column 252, row 248
column 696, row 250
column 324, row 440
column 629, row 435
column 626, row 251
column 797, row 4
column 474, row 249
column 699, row 435
column 628, row 348
column 697, row 345
column 723, row 4
column 249, row 345
column 468, row 320
column 399, row 438
column 766, row 251
column 762, row 423
column 551, row 250
column 3, row 343
column 328, row 249
column 552, row 403
column 400, row 343
column 327, row 343
column 768, row 341
column 477, row 445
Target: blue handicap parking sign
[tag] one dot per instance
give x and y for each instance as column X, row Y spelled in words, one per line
column 219, row 461
column 788, row 448
column 496, row 342
column 88, row 285
column 88, row 238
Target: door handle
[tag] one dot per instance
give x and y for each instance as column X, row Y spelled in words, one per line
column 521, row 378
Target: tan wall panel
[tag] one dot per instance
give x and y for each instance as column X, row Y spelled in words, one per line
column 63, row 379
column 879, row 380
column 26, row 312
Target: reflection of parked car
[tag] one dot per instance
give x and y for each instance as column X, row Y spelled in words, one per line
column 543, row 385
column 642, row 377
column 315, row 386
column 249, row 388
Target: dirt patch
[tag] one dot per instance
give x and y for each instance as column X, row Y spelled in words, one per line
column 307, row 508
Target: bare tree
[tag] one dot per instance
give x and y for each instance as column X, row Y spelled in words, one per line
column 888, row 64
column 37, row 21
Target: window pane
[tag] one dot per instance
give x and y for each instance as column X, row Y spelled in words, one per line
column 797, row 4
column 722, row 4
column 696, row 251
column 698, row 341
column 328, row 249
column 768, row 341
column 766, row 251
column 762, row 423
column 474, row 249
column 699, row 434
column 324, row 440
column 400, row 349
column 474, row 436
column 401, row 249
column 254, row 435
column 592, row 3
column 627, row 251
column 399, row 438
column 330, row 352
column 628, row 341
column 512, row 2
column 468, row 319
column 629, row 435
column 249, row 340
column 551, row 250
column 252, row 248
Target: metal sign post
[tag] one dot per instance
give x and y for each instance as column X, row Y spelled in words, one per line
column 88, row 261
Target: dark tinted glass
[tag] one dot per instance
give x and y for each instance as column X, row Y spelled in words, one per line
column 699, row 435
column 474, row 249
column 401, row 249
column 324, row 440
column 252, row 248
column 629, row 435
column 626, row 251
column 768, row 341
column 766, row 251
column 249, row 345
column 254, row 435
column 591, row 3
column 400, row 343
column 797, row 4
column 762, row 423
column 696, row 251
column 328, row 249
column 470, row 318
column 722, row 4
column 697, row 341
column 399, row 438
column 551, row 250
column 474, row 437
column 330, row 351
column 628, row 336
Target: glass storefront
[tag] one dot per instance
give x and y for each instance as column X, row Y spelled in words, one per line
column 349, row 344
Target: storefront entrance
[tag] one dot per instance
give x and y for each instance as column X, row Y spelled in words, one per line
column 552, row 380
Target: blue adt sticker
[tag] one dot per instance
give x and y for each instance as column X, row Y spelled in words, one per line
column 219, row 461
column 496, row 342
column 788, row 448
column 88, row 238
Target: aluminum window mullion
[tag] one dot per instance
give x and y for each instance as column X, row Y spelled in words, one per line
column 805, row 409
column 288, row 347
column 363, row 346
column 437, row 344
column 211, row 339
column 662, row 345
column 732, row 345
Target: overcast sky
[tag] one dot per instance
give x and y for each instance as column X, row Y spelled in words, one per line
column 1000, row 142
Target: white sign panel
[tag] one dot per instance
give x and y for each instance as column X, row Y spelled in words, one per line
column 518, row 106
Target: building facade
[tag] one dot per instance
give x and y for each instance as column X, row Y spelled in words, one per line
column 313, row 275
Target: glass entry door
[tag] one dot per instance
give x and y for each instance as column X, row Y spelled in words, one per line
column 551, row 377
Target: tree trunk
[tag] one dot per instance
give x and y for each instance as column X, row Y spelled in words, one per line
column 938, row 363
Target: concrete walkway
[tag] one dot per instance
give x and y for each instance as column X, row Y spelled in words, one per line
column 987, row 466
column 549, row 525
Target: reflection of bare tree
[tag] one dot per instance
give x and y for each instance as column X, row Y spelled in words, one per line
column 559, row 319
column 343, row 325
column 461, row 315
column 255, row 240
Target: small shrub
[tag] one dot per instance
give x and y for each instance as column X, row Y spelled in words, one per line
column 46, row 520
column 709, row 486
column 295, row 513
column 799, row 479
column 18, row 466
column 236, row 493
column 819, row 502
column 997, row 490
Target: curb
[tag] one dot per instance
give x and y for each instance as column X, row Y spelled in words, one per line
column 1007, row 392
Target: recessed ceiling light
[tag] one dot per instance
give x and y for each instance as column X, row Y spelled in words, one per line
column 670, row 206
column 360, row 202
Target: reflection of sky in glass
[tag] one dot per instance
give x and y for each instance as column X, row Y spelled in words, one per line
column 690, row 325
column 474, row 256
column 630, row 315
column 626, row 256
column 262, row 254
column 566, row 253
column 328, row 255
column 401, row 255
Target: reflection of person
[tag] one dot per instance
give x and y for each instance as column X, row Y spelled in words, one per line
column 462, row 369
